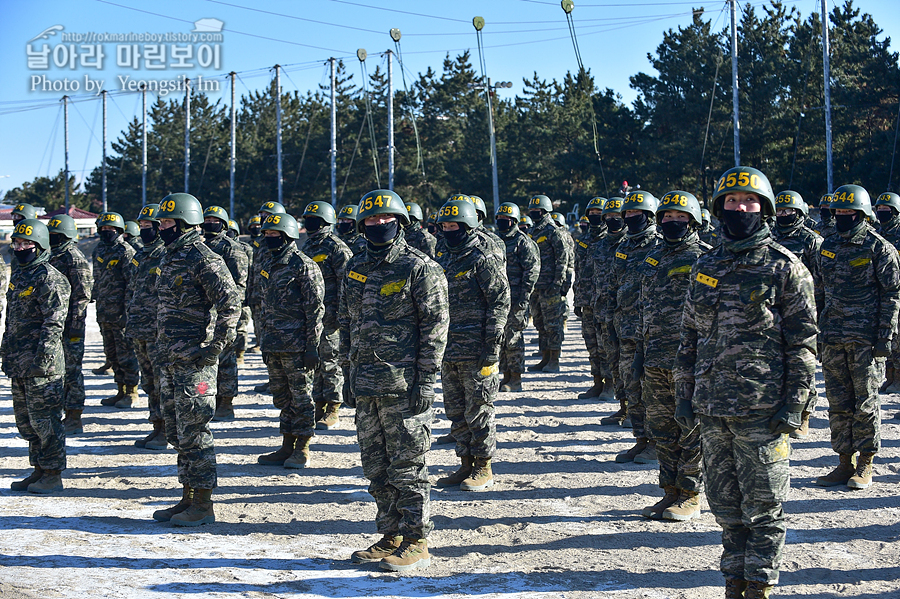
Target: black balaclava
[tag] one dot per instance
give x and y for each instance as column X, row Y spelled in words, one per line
column 637, row 223
column 741, row 225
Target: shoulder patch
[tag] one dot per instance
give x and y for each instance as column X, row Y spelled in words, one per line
column 112, row 263
column 11, row 287
column 828, row 254
column 393, row 287
column 680, row 270
column 320, row 257
column 707, row 280
column 860, row 261
column 651, row 261
column 357, row 277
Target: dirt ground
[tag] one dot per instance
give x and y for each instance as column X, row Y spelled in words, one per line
column 563, row 519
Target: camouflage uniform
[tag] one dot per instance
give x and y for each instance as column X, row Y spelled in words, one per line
column 860, row 277
column 492, row 241
column 356, row 242
column 141, row 330
column 523, row 264
column 477, row 282
column 72, row 264
column 136, row 243
column 262, row 258
column 199, row 306
column 748, row 342
column 891, row 232
column 805, row 243
column 602, row 258
column 710, row 235
column 420, row 239
column 583, row 297
column 110, row 283
column 624, row 284
column 37, row 305
column 331, row 255
column 548, row 306
column 666, row 276
column 394, row 316
column 293, row 291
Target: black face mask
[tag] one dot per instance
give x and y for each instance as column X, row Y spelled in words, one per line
column 787, row 221
column 883, row 216
column 504, row 225
column 432, row 229
column 382, row 234
column 455, row 238
column 25, row 256
column 109, row 236
column 595, row 219
column 674, row 230
column 741, row 225
column 584, row 227
column 313, row 223
column 149, row 234
column 170, row 235
column 212, row 229
column 274, row 243
column 637, row 223
column 342, row 228
column 614, row 224
column 845, row 222
column 231, row 233
column 535, row 214
column 827, row 217
column 57, row 239
column 254, row 232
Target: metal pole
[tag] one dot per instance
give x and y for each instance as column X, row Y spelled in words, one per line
column 103, row 167
column 333, row 138
column 390, row 107
column 66, row 136
column 187, row 133
column 734, row 85
column 827, row 64
column 233, row 150
column 490, row 106
column 278, row 127
column 143, row 150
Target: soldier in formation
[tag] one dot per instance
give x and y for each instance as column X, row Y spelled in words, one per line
column 887, row 211
column 240, row 340
column 347, row 231
column 416, row 236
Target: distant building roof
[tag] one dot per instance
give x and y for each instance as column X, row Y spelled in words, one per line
column 76, row 213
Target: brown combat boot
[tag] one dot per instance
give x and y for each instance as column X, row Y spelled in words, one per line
column 618, row 417
column 72, row 422
column 862, row 478
column 377, row 551
column 803, row 431
column 330, row 417
column 224, row 409
column 455, row 479
column 320, row 412
column 594, row 391
column 553, row 362
column 545, row 358
column 299, row 458
column 240, row 357
column 277, row 458
column 111, row 401
column 200, row 511
column 513, row 384
column 22, row 485
column 758, row 590
column 49, row 482
column 130, row 398
column 654, row 512
column 481, row 476
column 166, row 514
column 157, row 427
column 686, row 508
column 159, row 442
column 734, row 588
column 628, row 456
column 411, row 554
column 841, row 474
column 648, row 455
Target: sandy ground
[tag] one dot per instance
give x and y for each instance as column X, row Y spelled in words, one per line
column 563, row 519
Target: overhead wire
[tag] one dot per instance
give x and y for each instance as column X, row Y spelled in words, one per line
column 420, row 161
column 371, row 123
column 50, row 140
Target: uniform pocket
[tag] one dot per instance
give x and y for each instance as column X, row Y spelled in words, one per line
column 776, row 450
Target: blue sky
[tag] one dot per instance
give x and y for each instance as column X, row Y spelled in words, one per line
column 520, row 37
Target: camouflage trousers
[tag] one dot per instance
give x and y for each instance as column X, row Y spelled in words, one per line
column 852, row 377
column 469, row 394
column 392, row 445
column 120, row 354
column 747, row 474
column 146, row 357
column 38, row 409
column 243, row 327
column 591, row 335
column 227, row 373
column 187, row 394
column 291, row 387
column 678, row 452
column 256, row 317
column 73, row 387
column 548, row 310
column 609, row 346
column 328, row 383
column 632, row 388
column 512, row 348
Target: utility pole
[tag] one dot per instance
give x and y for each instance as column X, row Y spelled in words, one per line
column 333, row 138
column 66, row 136
column 187, row 133
column 390, row 108
column 233, row 160
column 143, row 150
column 826, row 51
column 103, row 167
column 734, row 85
column 278, row 127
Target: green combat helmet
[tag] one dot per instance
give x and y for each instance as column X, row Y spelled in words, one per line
column 284, row 223
column 746, row 179
column 112, row 219
column 64, row 225
column 559, row 219
column 350, row 211
column 271, row 208
column 132, row 229
column 852, row 197
column 889, row 198
column 148, row 213
column 791, row 199
column 640, row 200
column 540, row 202
column 459, row 211
column 182, row 207
column 217, row 212
column 234, row 226
column 381, row 201
column 509, row 210
column 323, row 210
column 480, row 207
column 23, row 211
column 704, row 213
column 415, row 212
column 682, row 201
column 33, row 230
column 595, row 204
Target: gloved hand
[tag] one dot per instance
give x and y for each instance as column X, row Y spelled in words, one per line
column 311, row 359
column 578, row 311
column 347, row 394
column 122, row 321
column 421, row 394
column 637, row 365
column 206, row 356
column 882, row 348
column 787, row 419
column 684, row 415
column 489, row 357
column 36, row 371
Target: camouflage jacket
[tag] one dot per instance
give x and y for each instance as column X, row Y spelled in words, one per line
column 293, row 292
column 332, row 255
column 261, row 258
column 584, row 266
column 570, row 261
column 394, row 316
column 624, row 280
column 235, row 259
column 891, row 231
column 602, row 259
column 666, row 274
column 710, row 235
column 199, row 303
column 142, row 299
column 71, row 263
column 860, row 278
column 494, row 243
column 476, row 280
column 111, row 280
column 523, row 265
column 748, row 330
column 554, row 253
column 37, row 304
column 137, row 243
column 421, row 239
column 354, row 241
column 248, row 251
column 805, row 244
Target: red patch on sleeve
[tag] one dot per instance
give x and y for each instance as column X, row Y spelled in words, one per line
column 202, row 388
